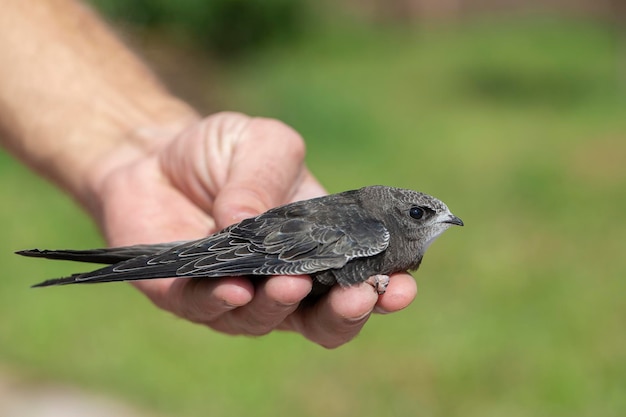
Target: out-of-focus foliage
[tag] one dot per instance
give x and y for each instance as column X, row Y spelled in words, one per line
column 519, row 125
column 224, row 27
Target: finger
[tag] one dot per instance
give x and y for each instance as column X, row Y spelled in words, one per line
column 274, row 300
column 266, row 170
column 337, row 318
column 401, row 291
column 199, row 160
column 309, row 188
column 198, row 300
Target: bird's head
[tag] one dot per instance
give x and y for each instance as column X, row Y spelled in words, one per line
column 413, row 216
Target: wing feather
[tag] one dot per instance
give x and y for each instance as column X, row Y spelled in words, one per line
column 294, row 239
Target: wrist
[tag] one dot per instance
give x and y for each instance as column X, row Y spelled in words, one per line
column 125, row 142
column 74, row 101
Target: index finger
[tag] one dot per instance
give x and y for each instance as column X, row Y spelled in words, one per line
column 266, row 170
column 401, row 291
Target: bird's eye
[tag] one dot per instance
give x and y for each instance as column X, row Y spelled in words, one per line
column 416, row 212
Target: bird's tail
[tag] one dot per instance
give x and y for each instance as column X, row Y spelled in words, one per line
column 99, row 256
column 110, row 256
column 58, row 281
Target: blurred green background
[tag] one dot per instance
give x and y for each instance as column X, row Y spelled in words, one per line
column 515, row 118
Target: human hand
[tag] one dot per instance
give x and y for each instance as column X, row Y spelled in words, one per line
column 216, row 172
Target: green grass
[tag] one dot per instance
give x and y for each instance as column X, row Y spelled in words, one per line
column 519, row 126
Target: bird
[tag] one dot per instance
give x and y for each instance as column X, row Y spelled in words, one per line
column 347, row 238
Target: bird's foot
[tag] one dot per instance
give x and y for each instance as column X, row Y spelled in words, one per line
column 379, row 282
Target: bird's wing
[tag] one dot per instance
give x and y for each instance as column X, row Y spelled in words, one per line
column 269, row 246
column 279, row 242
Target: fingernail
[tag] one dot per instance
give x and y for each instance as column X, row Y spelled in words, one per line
column 380, row 310
column 358, row 319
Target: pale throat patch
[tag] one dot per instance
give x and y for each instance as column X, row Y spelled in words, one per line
column 436, row 229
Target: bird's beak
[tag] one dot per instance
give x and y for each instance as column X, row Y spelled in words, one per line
column 454, row 220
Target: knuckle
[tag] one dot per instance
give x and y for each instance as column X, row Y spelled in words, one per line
column 255, row 326
column 281, row 135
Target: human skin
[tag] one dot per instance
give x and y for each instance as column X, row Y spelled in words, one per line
column 81, row 109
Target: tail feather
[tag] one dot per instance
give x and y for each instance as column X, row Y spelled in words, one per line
column 99, row 256
column 121, row 271
column 57, row 281
column 110, row 256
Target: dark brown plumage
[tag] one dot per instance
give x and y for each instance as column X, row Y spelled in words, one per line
column 343, row 238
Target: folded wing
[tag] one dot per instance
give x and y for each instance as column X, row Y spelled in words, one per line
column 289, row 240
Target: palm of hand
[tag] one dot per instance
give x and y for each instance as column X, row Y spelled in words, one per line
column 217, row 172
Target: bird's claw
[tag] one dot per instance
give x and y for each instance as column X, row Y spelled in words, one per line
column 379, row 282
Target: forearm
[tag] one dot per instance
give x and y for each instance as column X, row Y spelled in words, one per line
column 71, row 94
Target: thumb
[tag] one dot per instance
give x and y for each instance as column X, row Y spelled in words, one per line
column 266, row 170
